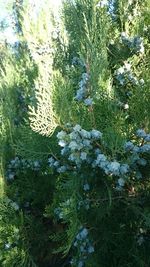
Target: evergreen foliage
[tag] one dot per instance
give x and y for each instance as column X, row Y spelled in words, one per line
column 75, row 136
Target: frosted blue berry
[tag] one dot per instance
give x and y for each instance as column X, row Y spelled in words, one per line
column 36, row 165
column 80, row 94
column 90, row 249
column 85, row 134
column 11, row 176
column 145, row 148
column 62, row 143
column 74, row 135
column 97, row 151
column 85, row 76
column 77, row 128
column 136, row 149
column 82, row 249
column 75, row 244
column 88, row 101
column 83, row 233
column 114, row 167
column 51, row 161
column 73, row 145
column 62, row 169
column 87, row 143
column 141, row 133
column 142, row 162
column 147, row 138
column 138, row 175
column 100, row 158
column 80, row 264
column 56, row 164
column 124, row 168
column 61, row 135
column 86, row 187
column 64, row 151
column 83, row 155
column 129, row 146
column 72, row 157
column 121, row 182
column 96, row 134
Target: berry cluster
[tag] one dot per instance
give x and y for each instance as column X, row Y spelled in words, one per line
column 135, row 44
column 78, row 144
column 82, row 92
column 124, row 75
column 136, row 153
column 79, row 147
column 78, row 61
column 17, row 164
column 84, row 246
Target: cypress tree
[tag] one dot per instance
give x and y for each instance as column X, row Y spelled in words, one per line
column 77, row 171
